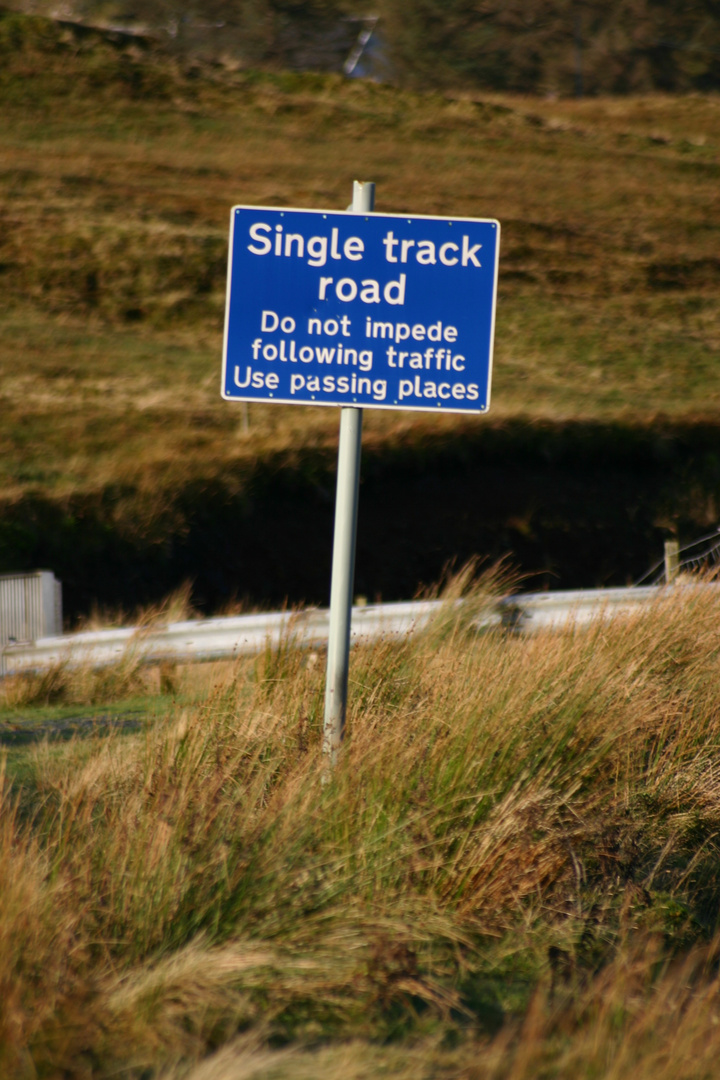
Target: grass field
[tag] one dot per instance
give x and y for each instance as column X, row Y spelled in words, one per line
column 118, row 170
column 117, row 178
column 511, row 874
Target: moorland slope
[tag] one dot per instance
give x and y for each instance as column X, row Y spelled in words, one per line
column 122, row 470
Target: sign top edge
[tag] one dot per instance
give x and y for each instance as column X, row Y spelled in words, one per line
column 368, row 214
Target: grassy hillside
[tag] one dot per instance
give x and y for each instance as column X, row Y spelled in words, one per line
column 119, row 168
column 512, row 873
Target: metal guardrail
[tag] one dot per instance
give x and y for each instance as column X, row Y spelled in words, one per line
column 211, row 639
column 243, row 635
column 541, row 611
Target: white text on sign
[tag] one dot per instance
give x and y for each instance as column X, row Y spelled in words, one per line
column 331, row 308
column 318, row 249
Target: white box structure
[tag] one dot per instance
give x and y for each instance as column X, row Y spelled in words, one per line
column 30, row 608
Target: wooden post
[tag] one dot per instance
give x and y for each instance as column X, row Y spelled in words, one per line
column 672, row 561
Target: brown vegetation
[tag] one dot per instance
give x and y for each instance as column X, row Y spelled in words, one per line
column 511, row 873
column 117, row 455
column 118, row 178
column 119, row 463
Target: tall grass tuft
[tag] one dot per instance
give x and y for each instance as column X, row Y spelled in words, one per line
column 512, row 872
column 70, row 683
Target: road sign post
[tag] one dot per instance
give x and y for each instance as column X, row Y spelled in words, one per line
column 343, row 557
column 385, row 311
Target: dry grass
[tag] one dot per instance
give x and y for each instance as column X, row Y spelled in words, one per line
column 118, row 461
column 114, row 207
column 512, row 873
column 77, row 684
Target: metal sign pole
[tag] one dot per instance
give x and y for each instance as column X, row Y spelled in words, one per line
column 343, row 560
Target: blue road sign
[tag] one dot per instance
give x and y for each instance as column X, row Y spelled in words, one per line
column 383, row 311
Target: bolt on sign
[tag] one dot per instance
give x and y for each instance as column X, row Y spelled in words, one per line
column 383, row 311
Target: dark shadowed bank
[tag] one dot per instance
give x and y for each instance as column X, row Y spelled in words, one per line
column 572, row 504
